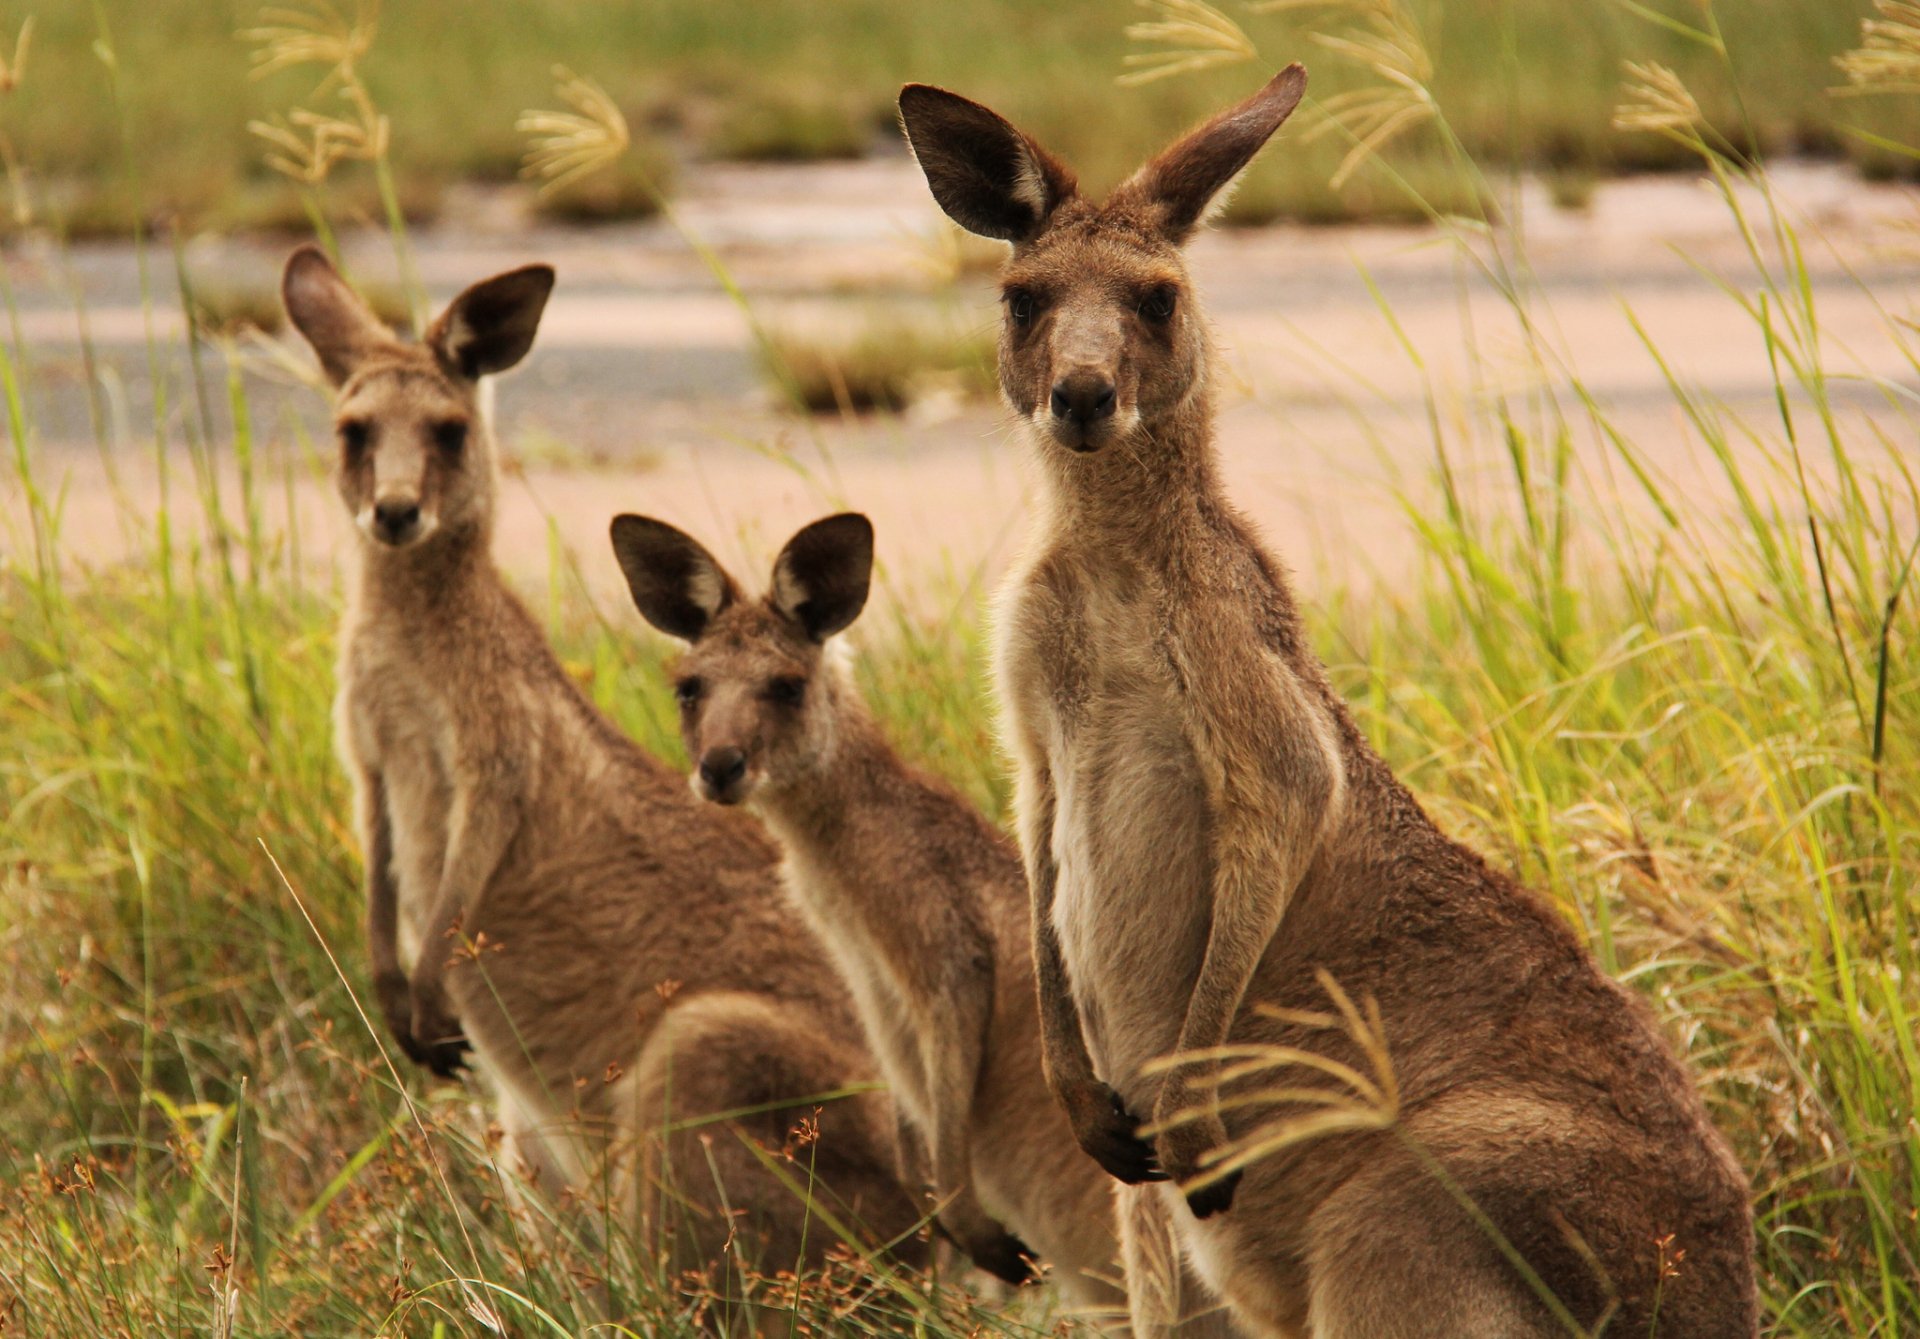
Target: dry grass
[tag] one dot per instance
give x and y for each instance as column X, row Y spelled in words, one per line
column 887, row 362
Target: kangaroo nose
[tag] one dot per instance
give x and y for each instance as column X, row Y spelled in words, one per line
column 396, row 519
column 1084, row 397
column 721, row 769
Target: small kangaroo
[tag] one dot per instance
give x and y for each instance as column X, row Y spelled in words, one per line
column 922, row 903
column 538, row 889
column 1205, row 832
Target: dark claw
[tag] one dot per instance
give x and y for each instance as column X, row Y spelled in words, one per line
column 1116, row 1144
column 1008, row 1259
column 1215, row 1198
column 445, row 1056
column 447, row 1059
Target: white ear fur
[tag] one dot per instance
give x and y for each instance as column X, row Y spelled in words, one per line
column 707, row 589
column 1030, row 187
column 789, row 593
column 457, row 337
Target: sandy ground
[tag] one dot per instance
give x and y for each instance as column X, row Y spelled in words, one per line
column 642, row 393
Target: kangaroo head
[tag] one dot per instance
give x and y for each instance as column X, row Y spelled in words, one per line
column 758, row 703
column 1102, row 339
column 414, row 455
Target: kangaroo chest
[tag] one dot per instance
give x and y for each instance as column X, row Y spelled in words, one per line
column 1130, row 832
column 400, row 728
column 869, row 955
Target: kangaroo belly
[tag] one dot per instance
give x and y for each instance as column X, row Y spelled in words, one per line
column 417, row 801
column 397, row 733
column 1132, row 911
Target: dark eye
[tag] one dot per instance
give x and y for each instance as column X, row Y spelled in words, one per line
column 786, row 691
column 1020, row 307
column 1157, row 305
column 355, row 433
column 687, row 692
column 451, row 436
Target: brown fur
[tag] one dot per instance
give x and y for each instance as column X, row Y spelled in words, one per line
column 1205, row 830
column 921, row 900
column 538, row 888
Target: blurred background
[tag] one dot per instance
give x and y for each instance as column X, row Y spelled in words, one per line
column 1567, row 354
column 749, row 259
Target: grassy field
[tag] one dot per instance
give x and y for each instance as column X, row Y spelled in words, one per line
column 142, row 106
column 1698, row 735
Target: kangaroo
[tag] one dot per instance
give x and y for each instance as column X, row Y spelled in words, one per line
column 539, row 891
column 922, row 901
column 1208, row 838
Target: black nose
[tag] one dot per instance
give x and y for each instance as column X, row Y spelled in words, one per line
column 721, row 769
column 396, row 519
column 1084, row 397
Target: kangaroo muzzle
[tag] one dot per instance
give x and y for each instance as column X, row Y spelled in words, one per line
column 397, row 520
column 722, row 775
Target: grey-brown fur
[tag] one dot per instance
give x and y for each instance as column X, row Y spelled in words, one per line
column 1205, row 830
column 537, row 887
column 922, row 902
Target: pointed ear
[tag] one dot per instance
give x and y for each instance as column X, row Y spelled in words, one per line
column 677, row 585
column 990, row 178
column 1184, row 180
column 820, row 579
column 491, row 326
column 324, row 308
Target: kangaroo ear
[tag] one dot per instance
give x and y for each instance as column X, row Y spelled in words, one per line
column 677, row 585
column 491, row 326
column 821, row 577
column 989, row 177
column 326, row 311
column 1187, row 178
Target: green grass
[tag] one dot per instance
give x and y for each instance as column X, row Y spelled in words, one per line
column 1697, row 733
column 886, row 362
column 1523, row 82
column 761, row 126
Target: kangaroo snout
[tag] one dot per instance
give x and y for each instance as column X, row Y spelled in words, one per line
column 1084, row 397
column 722, row 772
column 396, row 520
column 1083, row 404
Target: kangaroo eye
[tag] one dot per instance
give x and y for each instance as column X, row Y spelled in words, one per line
column 1157, row 306
column 786, row 691
column 451, row 436
column 687, row 692
column 1020, row 307
column 355, row 433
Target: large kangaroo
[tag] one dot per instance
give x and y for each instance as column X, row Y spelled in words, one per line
column 922, row 902
column 537, row 887
column 1205, row 832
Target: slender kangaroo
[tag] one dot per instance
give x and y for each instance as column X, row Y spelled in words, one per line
column 1206, row 833
column 922, row 902
column 538, row 888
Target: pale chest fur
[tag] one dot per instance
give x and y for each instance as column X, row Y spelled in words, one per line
column 392, row 719
column 890, row 1010
column 1086, row 681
